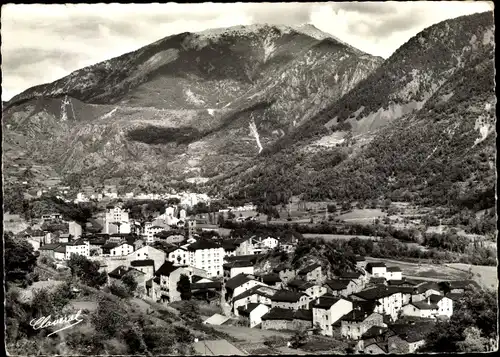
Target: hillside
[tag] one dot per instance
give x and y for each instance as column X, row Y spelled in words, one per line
column 189, row 105
column 420, row 127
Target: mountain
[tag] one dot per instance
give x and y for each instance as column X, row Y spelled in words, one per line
column 191, row 105
column 420, row 127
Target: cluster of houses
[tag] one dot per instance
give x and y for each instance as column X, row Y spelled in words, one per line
column 375, row 306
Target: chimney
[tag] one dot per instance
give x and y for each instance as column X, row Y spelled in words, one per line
column 428, row 300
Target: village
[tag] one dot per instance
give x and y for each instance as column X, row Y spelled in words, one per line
column 373, row 306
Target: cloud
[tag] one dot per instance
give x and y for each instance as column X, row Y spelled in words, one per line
column 41, row 43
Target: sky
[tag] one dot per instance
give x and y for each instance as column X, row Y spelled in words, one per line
column 42, row 43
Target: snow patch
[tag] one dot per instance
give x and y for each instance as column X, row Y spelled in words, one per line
column 484, row 128
column 331, row 140
column 253, row 130
column 193, row 98
column 269, row 48
column 487, row 107
column 108, row 115
column 336, row 77
column 210, row 111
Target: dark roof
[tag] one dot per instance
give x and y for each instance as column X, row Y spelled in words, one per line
column 303, row 314
column 454, row 296
column 286, row 296
column 350, row 275
column 393, row 269
column 60, row 249
column 376, row 293
column 359, row 258
column 324, row 301
column 337, row 284
column 110, row 245
column 236, row 281
column 207, row 285
column 142, row 263
column 374, row 331
column 434, row 298
column 463, row 284
column 428, row 285
column 51, row 246
column 404, row 289
column 271, row 278
column 423, row 305
column 245, row 311
column 412, row 332
column 369, row 266
column 196, row 278
column 377, row 280
column 261, row 290
column 361, row 310
column 396, row 282
column 296, row 283
column 166, row 268
column 203, row 244
column 37, row 233
column 119, row 272
column 277, row 313
column 309, row 268
column 228, row 245
column 97, row 241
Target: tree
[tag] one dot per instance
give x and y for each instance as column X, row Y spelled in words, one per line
column 130, row 283
column 190, row 311
column 184, row 287
column 87, row 271
column 299, row 338
column 473, row 342
column 20, row 259
column 331, row 208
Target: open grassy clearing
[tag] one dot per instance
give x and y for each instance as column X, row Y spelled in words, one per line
column 253, row 335
column 486, row 276
column 337, row 236
column 425, row 271
column 366, row 215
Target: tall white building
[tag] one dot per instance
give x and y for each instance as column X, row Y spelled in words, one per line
column 119, row 218
column 207, row 255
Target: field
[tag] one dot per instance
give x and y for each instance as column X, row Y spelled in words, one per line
column 486, row 276
column 362, row 216
column 337, row 236
column 423, row 271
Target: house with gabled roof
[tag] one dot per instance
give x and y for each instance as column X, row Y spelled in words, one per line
column 237, row 267
column 312, row 272
column 329, row 309
column 258, row 294
column 374, row 340
column 389, row 300
column 460, row 286
column 358, row 277
column 254, row 313
column 394, row 273
column 60, row 252
column 423, row 309
column 407, row 338
column 207, row 255
column 359, row 320
column 271, row 279
column 376, row 269
column 239, row 284
column 288, row 299
column 286, row 319
column 340, row 287
column 165, row 281
column 424, row 290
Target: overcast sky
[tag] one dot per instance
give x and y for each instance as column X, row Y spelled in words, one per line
column 42, row 43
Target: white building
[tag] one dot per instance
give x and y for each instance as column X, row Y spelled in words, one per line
column 119, row 218
column 117, row 249
column 393, row 273
column 75, row 229
column 79, row 247
column 327, row 310
column 207, row 255
column 178, row 256
column 150, row 231
column 377, row 270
